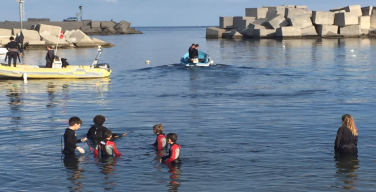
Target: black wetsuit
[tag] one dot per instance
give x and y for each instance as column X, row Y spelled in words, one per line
column 345, row 141
column 49, row 58
column 13, row 49
column 70, row 141
column 95, row 133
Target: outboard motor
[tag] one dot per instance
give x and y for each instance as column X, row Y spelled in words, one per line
column 64, row 62
column 102, row 66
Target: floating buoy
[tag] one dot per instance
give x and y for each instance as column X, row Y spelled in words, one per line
column 352, row 50
column 147, row 62
column 25, row 77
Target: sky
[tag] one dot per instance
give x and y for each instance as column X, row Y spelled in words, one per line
column 156, row 12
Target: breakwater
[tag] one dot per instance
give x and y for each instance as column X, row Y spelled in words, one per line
column 37, row 34
column 294, row 21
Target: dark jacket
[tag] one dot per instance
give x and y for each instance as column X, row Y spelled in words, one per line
column 50, row 55
column 345, row 141
column 13, row 47
column 190, row 52
column 194, row 53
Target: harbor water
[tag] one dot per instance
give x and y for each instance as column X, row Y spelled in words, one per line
column 264, row 118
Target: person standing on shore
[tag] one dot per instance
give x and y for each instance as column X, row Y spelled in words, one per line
column 347, row 136
column 14, row 51
column 49, row 57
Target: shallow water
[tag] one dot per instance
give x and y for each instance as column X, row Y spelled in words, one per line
column 263, row 119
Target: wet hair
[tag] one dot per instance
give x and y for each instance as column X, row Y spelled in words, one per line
column 158, row 128
column 99, row 120
column 11, row 38
column 196, row 45
column 172, row 136
column 348, row 121
column 106, row 134
column 75, row 120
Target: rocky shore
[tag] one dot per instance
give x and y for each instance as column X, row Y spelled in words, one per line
column 293, row 21
column 37, row 34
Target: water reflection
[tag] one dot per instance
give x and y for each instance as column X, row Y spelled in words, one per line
column 107, row 166
column 174, row 169
column 346, row 170
column 75, row 174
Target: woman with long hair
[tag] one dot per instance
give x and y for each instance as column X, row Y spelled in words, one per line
column 347, row 136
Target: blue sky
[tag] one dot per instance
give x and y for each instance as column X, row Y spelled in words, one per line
column 155, row 12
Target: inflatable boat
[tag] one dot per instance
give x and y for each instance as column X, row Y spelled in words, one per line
column 203, row 60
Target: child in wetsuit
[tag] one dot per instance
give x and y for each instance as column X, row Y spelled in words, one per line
column 96, row 131
column 70, row 137
column 160, row 142
column 106, row 147
column 174, row 153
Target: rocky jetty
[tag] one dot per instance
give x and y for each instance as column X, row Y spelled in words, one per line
column 41, row 35
column 294, row 21
column 108, row 28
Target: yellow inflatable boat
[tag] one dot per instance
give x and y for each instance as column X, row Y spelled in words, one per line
column 58, row 70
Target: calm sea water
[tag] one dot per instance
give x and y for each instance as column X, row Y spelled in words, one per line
column 263, row 119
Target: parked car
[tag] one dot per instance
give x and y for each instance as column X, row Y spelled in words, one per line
column 71, row 19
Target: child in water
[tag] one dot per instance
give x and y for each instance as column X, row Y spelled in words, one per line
column 160, row 142
column 70, row 137
column 106, row 147
column 96, row 131
column 174, row 153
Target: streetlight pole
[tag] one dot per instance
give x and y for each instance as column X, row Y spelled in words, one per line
column 80, row 7
column 21, row 11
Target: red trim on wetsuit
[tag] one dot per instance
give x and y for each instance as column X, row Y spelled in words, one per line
column 174, row 153
column 108, row 145
column 160, row 142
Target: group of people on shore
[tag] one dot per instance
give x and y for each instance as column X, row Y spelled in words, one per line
column 105, row 147
column 15, row 51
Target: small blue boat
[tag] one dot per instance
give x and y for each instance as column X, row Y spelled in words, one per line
column 203, row 60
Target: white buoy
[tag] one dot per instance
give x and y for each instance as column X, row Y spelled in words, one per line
column 352, row 50
column 25, row 77
column 147, row 62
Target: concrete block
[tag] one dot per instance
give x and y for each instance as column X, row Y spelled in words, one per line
column 367, row 10
column 252, row 27
column 256, row 12
column 122, row 25
column 109, row 31
column 350, row 31
column 85, row 28
column 95, row 24
column 30, row 35
column 373, row 21
column 323, row 18
column 36, row 42
column 277, row 22
column 352, row 8
column 5, row 32
column 243, row 24
column 309, row 32
column 226, row 22
column 302, row 21
column 16, row 32
column 327, row 30
column 289, row 31
column 107, row 24
column 81, row 37
column 232, row 34
column 365, row 22
column 292, row 12
column 347, row 18
column 48, row 30
column 264, row 33
column 53, row 40
column 302, row 7
column 98, row 41
column 274, row 11
column 289, row 6
column 235, row 21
